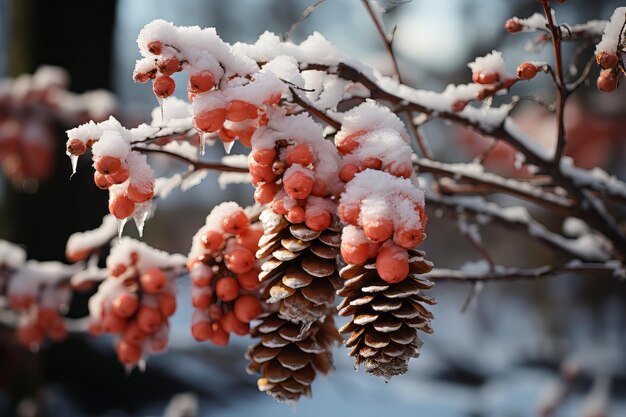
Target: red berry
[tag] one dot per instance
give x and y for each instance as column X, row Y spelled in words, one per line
column 163, row 86
column 201, row 297
column 140, row 194
column 144, row 77
column 239, row 110
column 239, row 261
column 120, row 176
column 349, row 143
column 127, row 353
column 526, row 71
column 155, row 47
column 296, row 215
column 408, row 237
column 298, row 185
column 261, row 173
column 227, row 289
column 210, row 120
column 153, row 280
column 606, row 60
column 355, row 253
column 201, row 82
column 299, row 154
column 513, row 25
column 319, row 188
column 219, row 337
column 347, row 172
column 101, row 181
column 249, row 239
column 125, row 305
column 379, row 229
column 265, row 192
column 349, row 213
column 133, row 334
column 458, row 105
column 483, row 77
column 318, row 220
column 114, row 324
column 202, row 331
column 231, row 324
column 212, row 240
column 149, row 319
column 235, row 223
column 608, row 80
column 168, row 66
column 121, row 206
column 201, row 275
column 370, row 163
column 264, row 156
column 167, row 305
column 76, row 147
column 107, row 165
column 249, row 280
column 392, row 263
column 247, row 308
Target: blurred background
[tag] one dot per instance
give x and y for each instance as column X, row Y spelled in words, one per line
column 511, row 353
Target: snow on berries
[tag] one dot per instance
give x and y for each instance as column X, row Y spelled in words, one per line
column 136, row 300
column 224, row 275
column 609, row 52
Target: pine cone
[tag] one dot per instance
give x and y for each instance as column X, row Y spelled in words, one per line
column 301, row 267
column 385, row 317
column 289, row 356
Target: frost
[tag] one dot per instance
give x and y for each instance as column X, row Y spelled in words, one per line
column 612, row 32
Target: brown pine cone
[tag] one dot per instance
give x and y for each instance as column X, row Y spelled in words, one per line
column 301, row 268
column 289, row 356
column 385, row 317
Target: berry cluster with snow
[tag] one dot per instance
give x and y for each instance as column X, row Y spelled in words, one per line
column 224, row 275
column 136, row 299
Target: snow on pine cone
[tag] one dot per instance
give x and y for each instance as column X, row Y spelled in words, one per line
column 385, row 316
column 300, row 266
column 288, row 357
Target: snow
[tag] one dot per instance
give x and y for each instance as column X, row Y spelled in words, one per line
column 93, row 239
column 148, row 257
column 11, row 255
column 597, row 179
column 492, row 63
column 370, row 116
column 612, row 32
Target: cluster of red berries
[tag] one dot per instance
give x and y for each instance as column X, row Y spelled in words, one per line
column 612, row 70
column 224, row 275
column 135, row 303
column 285, row 177
column 166, row 62
column 40, row 313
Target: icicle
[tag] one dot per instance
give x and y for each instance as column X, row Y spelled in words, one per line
column 120, row 229
column 202, row 143
column 228, row 146
column 74, row 160
column 140, row 215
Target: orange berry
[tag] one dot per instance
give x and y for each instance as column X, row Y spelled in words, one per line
column 319, row 220
column 249, row 239
column 264, row 156
column 76, row 147
column 227, row 289
column 201, row 82
column 373, row 249
column 239, row 110
column 219, row 337
column 392, row 263
column 355, row 253
column 235, row 223
column 399, row 170
column 119, row 176
column 149, row 319
column 608, row 80
column 140, row 195
column 262, row 173
column 128, row 354
column 299, row 154
column 210, row 120
column 168, row 66
column 513, row 25
column 239, row 261
column 113, row 324
column 483, row 77
column 107, row 165
column 101, row 181
column 226, row 135
column 371, row 163
column 349, row 143
column 30, row 335
column 201, row 275
column 279, row 207
column 245, row 135
column 212, row 240
column 347, row 172
column 167, row 305
column 231, row 324
column 526, row 71
column 408, row 237
column 121, row 206
column 155, row 47
column 201, row 331
column 133, row 334
column 249, row 280
column 349, row 213
column 153, row 280
column 144, row 77
column 298, row 185
column 125, row 305
column 606, row 60
column 319, row 188
column 296, row 215
column 247, row 308
column 265, row 192
column 201, row 297
column 378, row 230
column 163, row 86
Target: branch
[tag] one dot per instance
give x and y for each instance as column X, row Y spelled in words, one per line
column 197, row 165
column 305, row 104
